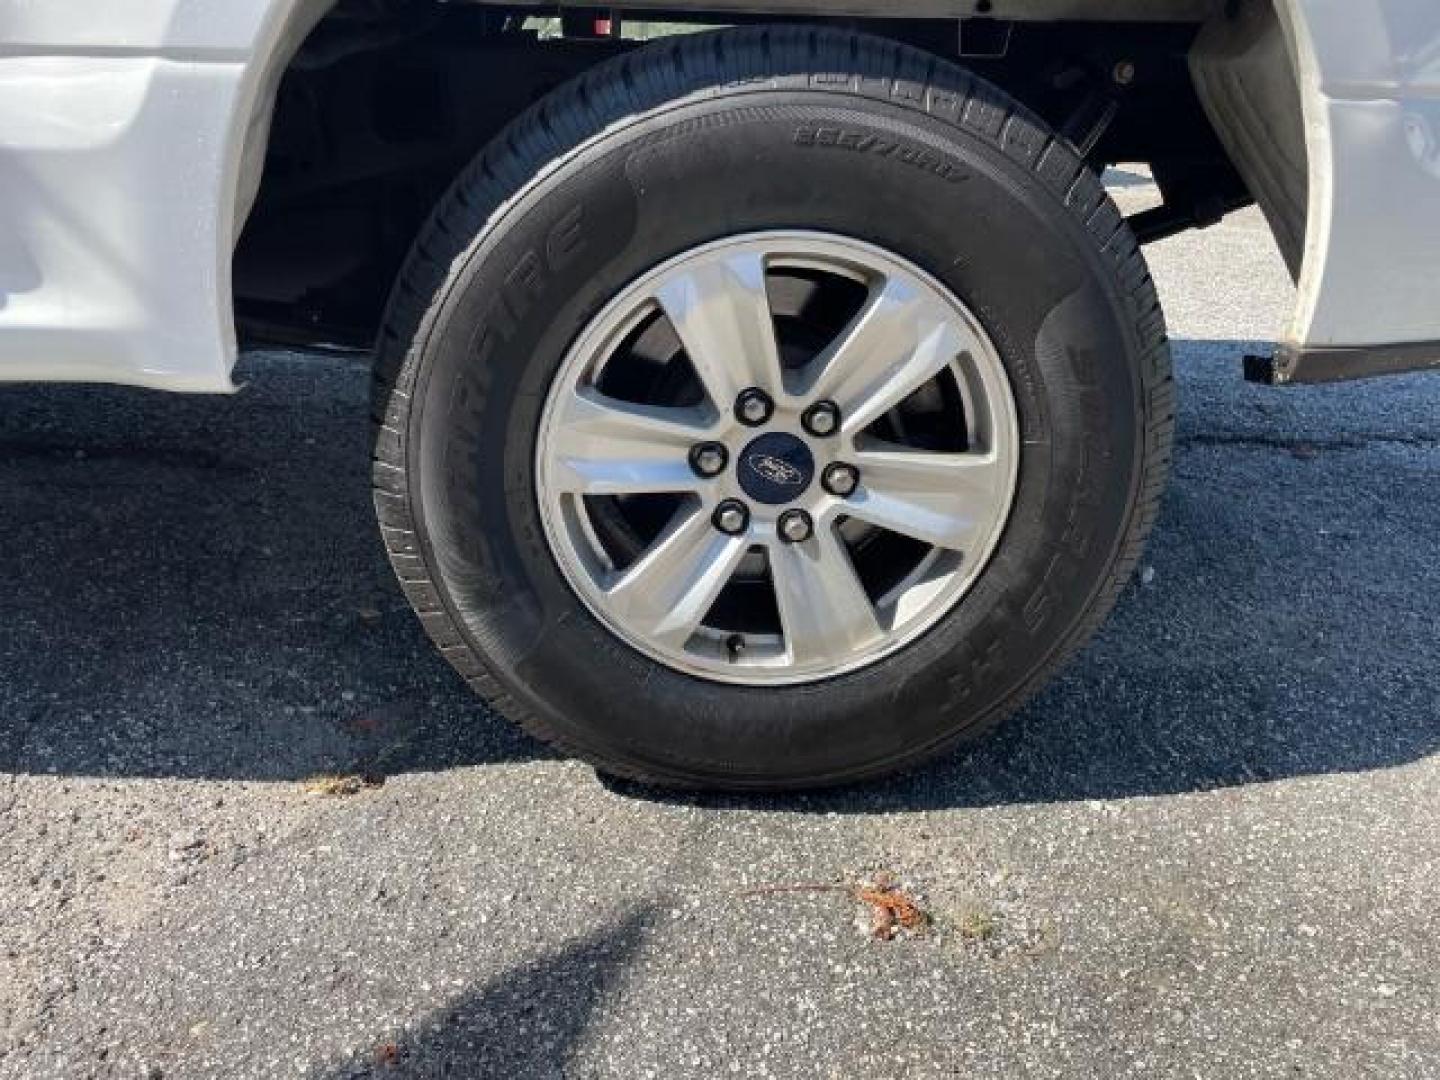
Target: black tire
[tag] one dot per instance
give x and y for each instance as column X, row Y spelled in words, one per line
column 723, row 133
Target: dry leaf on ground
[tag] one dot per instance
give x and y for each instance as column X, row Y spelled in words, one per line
column 341, row 785
column 893, row 911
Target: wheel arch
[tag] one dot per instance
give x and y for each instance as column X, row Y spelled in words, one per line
column 1062, row 65
column 281, row 34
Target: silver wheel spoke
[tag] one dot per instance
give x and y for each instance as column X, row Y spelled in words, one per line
column 608, row 447
column 898, row 342
column 721, row 312
column 667, row 591
column 948, row 500
column 824, row 610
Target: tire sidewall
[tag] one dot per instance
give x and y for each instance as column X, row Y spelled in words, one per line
column 605, row 214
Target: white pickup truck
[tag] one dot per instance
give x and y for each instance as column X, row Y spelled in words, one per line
column 767, row 393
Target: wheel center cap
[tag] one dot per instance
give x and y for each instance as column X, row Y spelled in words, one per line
column 775, row 468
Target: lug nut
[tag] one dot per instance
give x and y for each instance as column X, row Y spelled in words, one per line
column 840, row 479
column 708, row 458
column 822, row 418
column 795, row 526
column 753, row 407
column 731, row 517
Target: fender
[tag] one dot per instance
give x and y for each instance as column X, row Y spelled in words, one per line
column 123, row 181
column 1370, row 86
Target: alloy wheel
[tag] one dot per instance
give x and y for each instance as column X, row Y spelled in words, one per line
column 777, row 458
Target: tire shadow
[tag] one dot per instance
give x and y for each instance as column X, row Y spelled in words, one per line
column 199, row 590
column 194, row 588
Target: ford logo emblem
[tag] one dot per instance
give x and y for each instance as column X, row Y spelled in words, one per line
column 775, row 470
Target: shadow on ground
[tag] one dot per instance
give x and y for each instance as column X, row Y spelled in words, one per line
column 194, row 589
column 522, row 1025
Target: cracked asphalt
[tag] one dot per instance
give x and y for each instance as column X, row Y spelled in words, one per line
column 1209, row 849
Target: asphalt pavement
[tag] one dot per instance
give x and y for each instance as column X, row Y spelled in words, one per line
column 1210, row 849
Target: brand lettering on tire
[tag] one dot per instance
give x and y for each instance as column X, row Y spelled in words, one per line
column 528, row 279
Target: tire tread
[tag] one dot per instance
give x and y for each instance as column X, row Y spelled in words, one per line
column 723, row 63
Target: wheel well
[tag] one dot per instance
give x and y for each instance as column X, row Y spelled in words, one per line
column 385, row 101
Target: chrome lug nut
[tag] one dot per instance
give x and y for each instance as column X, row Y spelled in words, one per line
column 731, row 517
column 840, row 479
column 822, row 418
column 795, row 526
column 708, row 458
column 753, row 407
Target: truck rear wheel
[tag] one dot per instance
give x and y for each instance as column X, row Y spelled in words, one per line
column 769, row 408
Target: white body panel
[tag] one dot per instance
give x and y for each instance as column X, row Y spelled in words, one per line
column 121, row 129
column 123, row 126
column 1370, row 76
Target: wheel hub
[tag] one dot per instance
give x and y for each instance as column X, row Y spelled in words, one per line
column 776, row 468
